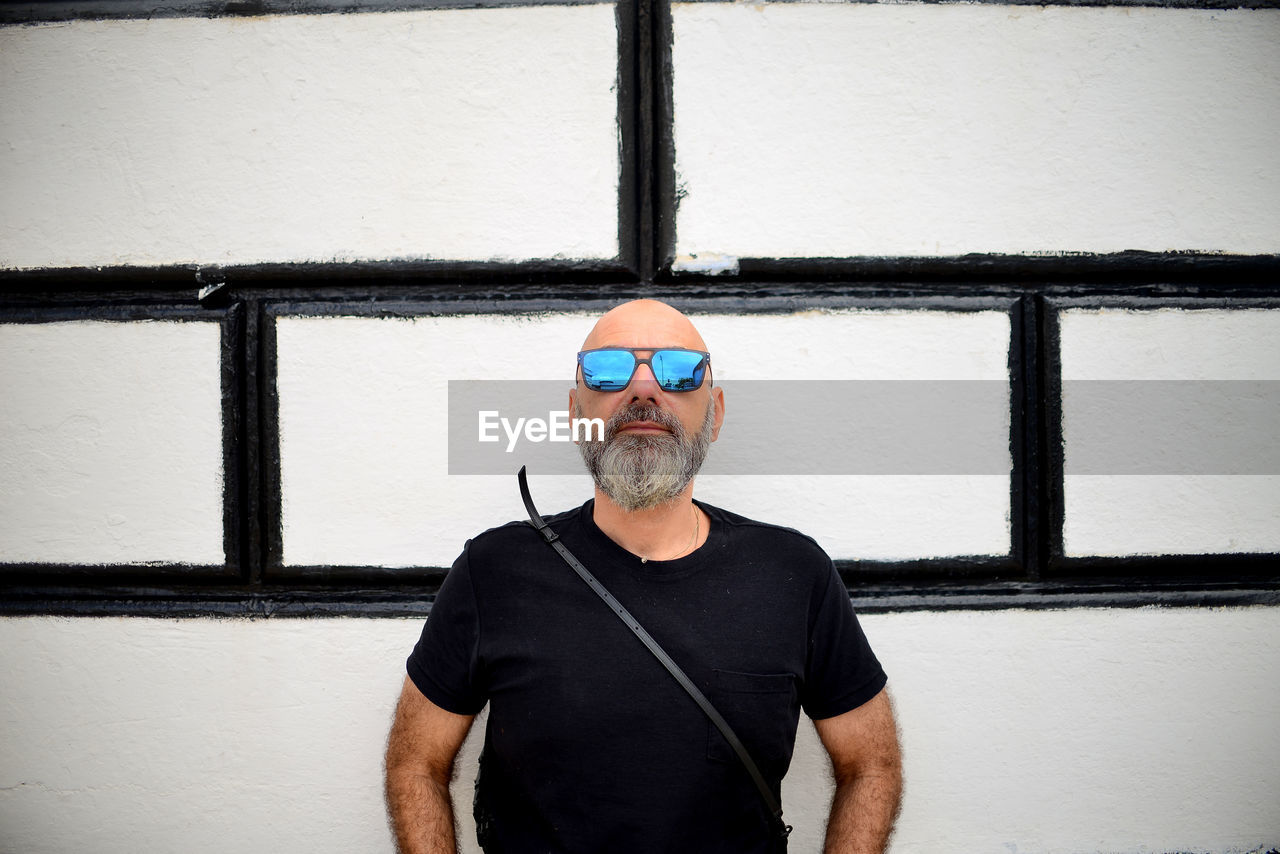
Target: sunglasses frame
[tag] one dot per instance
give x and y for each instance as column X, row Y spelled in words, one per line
column 705, row 363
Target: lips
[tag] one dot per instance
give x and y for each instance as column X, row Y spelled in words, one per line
column 640, row 420
column 643, row 427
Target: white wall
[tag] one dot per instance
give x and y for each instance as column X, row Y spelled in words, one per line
column 802, row 130
column 1082, row 731
column 364, row 450
column 829, row 129
column 1170, row 512
column 468, row 134
column 111, row 442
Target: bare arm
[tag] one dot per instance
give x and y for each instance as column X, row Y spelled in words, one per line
column 863, row 745
column 420, row 751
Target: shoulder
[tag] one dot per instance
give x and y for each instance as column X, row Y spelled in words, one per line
column 503, row 541
column 744, row 531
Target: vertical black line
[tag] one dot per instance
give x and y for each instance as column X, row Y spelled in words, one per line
column 634, row 211
column 235, row 470
column 662, row 160
column 269, row 510
column 647, row 213
column 251, row 487
column 1019, row 394
column 1029, row 461
column 1052, row 492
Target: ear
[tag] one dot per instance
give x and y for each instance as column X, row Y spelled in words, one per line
column 717, row 399
column 573, row 400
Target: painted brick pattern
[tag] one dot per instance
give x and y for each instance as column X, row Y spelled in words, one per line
column 110, row 443
column 476, row 135
column 1173, row 512
column 364, row 440
column 832, row 130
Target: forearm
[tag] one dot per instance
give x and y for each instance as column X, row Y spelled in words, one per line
column 863, row 811
column 421, row 813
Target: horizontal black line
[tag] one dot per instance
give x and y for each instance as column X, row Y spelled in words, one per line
column 1142, row 572
column 163, row 579
column 1110, row 268
column 34, row 11
column 1036, row 597
column 140, row 309
column 1153, row 272
column 106, row 578
column 761, row 302
column 254, row 605
column 1204, row 567
column 1168, row 299
column 867, row 599
column 1173, row 4
column 330, row 273
column 38, row 306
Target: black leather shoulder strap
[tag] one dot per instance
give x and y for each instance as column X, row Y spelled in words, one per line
column 553, row 539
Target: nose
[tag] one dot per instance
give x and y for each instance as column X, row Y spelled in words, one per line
column 644, row 385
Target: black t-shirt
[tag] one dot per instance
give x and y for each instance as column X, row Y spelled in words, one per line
column 591, row 746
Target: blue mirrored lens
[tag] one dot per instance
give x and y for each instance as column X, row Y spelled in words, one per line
column 612, row 370
column 678, row 370
column 608, row 370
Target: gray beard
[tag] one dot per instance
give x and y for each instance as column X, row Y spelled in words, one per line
column 642, row 472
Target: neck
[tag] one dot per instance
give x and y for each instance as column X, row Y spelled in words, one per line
column 664, row 532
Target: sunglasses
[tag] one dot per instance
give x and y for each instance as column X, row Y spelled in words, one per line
column 612, row 368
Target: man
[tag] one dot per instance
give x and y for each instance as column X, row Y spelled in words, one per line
column 591, row 746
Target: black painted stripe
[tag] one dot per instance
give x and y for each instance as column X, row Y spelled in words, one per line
column 1079, row 273
column 35, row 11
column 867, row 599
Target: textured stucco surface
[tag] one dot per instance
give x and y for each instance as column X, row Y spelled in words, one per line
column 464, row 134
column 801, row 130
column 111, row 442
column 363, row 438
column 831, row 129
column 1060, row 731
column 1169, row 513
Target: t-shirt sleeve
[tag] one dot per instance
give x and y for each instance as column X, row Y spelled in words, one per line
column 445, row 662
column 842, row 672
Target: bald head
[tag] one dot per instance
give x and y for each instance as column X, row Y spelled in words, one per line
column 644, row 323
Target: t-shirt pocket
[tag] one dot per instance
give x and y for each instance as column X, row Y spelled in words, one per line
column 762, row 710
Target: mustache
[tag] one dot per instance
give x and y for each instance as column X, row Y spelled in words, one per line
column 642, row 412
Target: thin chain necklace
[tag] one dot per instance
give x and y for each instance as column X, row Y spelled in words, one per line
column 697, row 526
